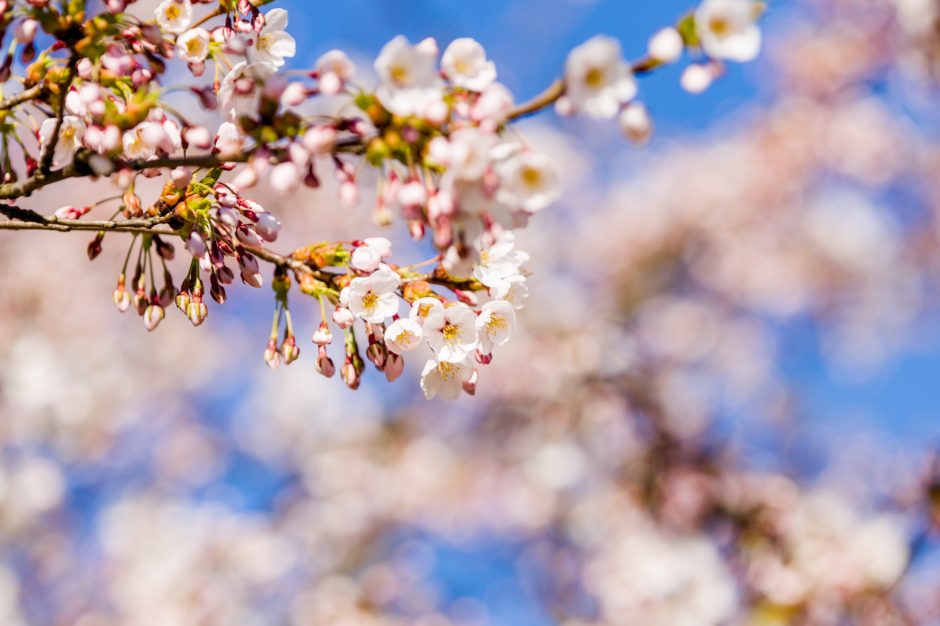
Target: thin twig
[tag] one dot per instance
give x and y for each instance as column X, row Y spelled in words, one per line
column 21, row 97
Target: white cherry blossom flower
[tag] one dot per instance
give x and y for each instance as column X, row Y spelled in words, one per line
column 273, row 44
column 728, row 29
column 495, row 324
column 373, row 297
column 135, row 147
column 493, row 106
column 70, row 137
column 334, row 69
column 451, row 332
column 174, row 16
column 422, row 307
column 499, row 262
column 464, row 62
column 513, row 290
column 597, row 79
column 193, row 45
column 528, row 182
column 240, row 92
column 468, row 155
column 403, row 335
column 409, row 80
column 445, row 378
column 368, row 256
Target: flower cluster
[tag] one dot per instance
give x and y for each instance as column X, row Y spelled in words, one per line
column 436, row 129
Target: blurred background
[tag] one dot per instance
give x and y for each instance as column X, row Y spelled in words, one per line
column 720, row 406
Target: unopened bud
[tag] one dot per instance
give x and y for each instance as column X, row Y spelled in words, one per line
column 324, row 363
column 290, row 351
column 323, row 336
column 394, row 366
column 153, row 316
column 271, row 355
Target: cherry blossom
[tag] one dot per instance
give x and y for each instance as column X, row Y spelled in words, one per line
column 727, row 29
column 597, row 79
column 445, row 378
column 272, row 44
column 465, row 64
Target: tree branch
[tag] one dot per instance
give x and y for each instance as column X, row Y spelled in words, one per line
column 21, row 97
column 24, row 219
column 556, row 90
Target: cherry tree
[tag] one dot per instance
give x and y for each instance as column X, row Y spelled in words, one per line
column 84, row 98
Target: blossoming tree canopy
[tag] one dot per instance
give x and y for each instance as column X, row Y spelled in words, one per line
column 82, row 97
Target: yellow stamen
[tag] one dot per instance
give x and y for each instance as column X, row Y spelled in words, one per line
column 594, row 77
column 450, row 332
column 370, row 300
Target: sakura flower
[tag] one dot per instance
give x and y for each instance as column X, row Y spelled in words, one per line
column 422, row 307
column 409, row 79
column 495, row 324
column 193, row 45
column 174, row 16
column 403, row 335
column 493, row 106
column 373, row 297
column 513, row 290
column 468, row 156
column 368, row 256
column 528, row 182
column 229, row 140
column 240, row 92
column 334, row 69
column 597, row 79
column 70, row 136
column 273, row 43
column 727, row 29
column 465, row 64
column 451, row 332
column 445, row 378
column 499, row 262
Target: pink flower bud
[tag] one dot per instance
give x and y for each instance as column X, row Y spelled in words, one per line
column 290, row 351
column 294, row 95
column 323, row 336
column 271, row 354
column 267, row 226
column 197, row 136
column 196, row 245
column 121, row 297
column 153, row 316
column 320, row 139
column 324, row 363
column 343, row 317
column 394, row 366
column 350, row 374
column 181, row 177
column 25, row 31
column 470, row 385
column 197, row 312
